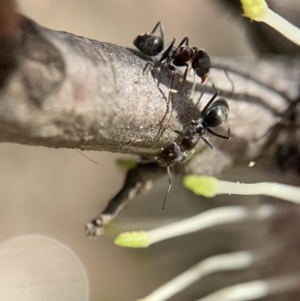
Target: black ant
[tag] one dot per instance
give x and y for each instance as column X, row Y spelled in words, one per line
column 150, row 43
column 214, row 114
column 181, row 56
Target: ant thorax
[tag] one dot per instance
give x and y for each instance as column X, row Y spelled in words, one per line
column 170, row 155
column 190, row 139
column 201, row 129
column 199, row 126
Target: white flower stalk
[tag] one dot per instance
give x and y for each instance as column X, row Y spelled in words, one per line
column 218, row 263
column 210, row 218
column 254, row 290
column 259, row 11
column 210, row 187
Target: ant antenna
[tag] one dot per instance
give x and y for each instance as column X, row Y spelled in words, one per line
column 227, row 76
column 201, row 95
column 183, row 111
column 169, row 188
column 82, row 154
column 230, row 80
column 161, row 29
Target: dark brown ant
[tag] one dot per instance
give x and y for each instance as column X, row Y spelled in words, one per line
column 150, row 43
column 188, row 57
column 214, row 114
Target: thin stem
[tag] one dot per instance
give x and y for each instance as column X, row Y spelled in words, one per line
column 276, row 190
column 213, row 217
column 255, row 289
column 218, row 263
column 287, row 29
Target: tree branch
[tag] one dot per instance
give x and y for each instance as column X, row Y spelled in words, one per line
column 70, row 91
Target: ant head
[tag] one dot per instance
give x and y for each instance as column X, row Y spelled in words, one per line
column 149, row 43
column 170, row 155
column 201, row 64
column 217, row 113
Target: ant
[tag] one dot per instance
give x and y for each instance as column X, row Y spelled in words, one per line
column 188, row 57
column 181, row 56
column 214, row 114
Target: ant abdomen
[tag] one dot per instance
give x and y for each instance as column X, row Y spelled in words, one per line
column 217, row 113
column 201, row 64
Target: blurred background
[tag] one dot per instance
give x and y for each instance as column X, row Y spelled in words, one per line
column 53, row 192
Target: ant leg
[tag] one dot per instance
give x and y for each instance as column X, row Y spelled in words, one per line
column 200, row 97
column 173, row 69
column 174, row 130
column 193, row 86
column 184, row 76
column 230, row 80
column 169, row 188
column 208, row 143
column 228, row 77
column 185, row 73
column 220, row 136
column 171, row 91
column 210, row 102
column 161, row 29
column 82, row 154
column 163, row 55
column 185, row 113
column 155, row 27
column 148, row 67
column 185, row 41
column 182, row 110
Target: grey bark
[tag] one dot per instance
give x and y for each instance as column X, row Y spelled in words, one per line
column 70, row 91
column 62, row 90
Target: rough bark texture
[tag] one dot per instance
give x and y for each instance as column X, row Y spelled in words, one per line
column 70, row 91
